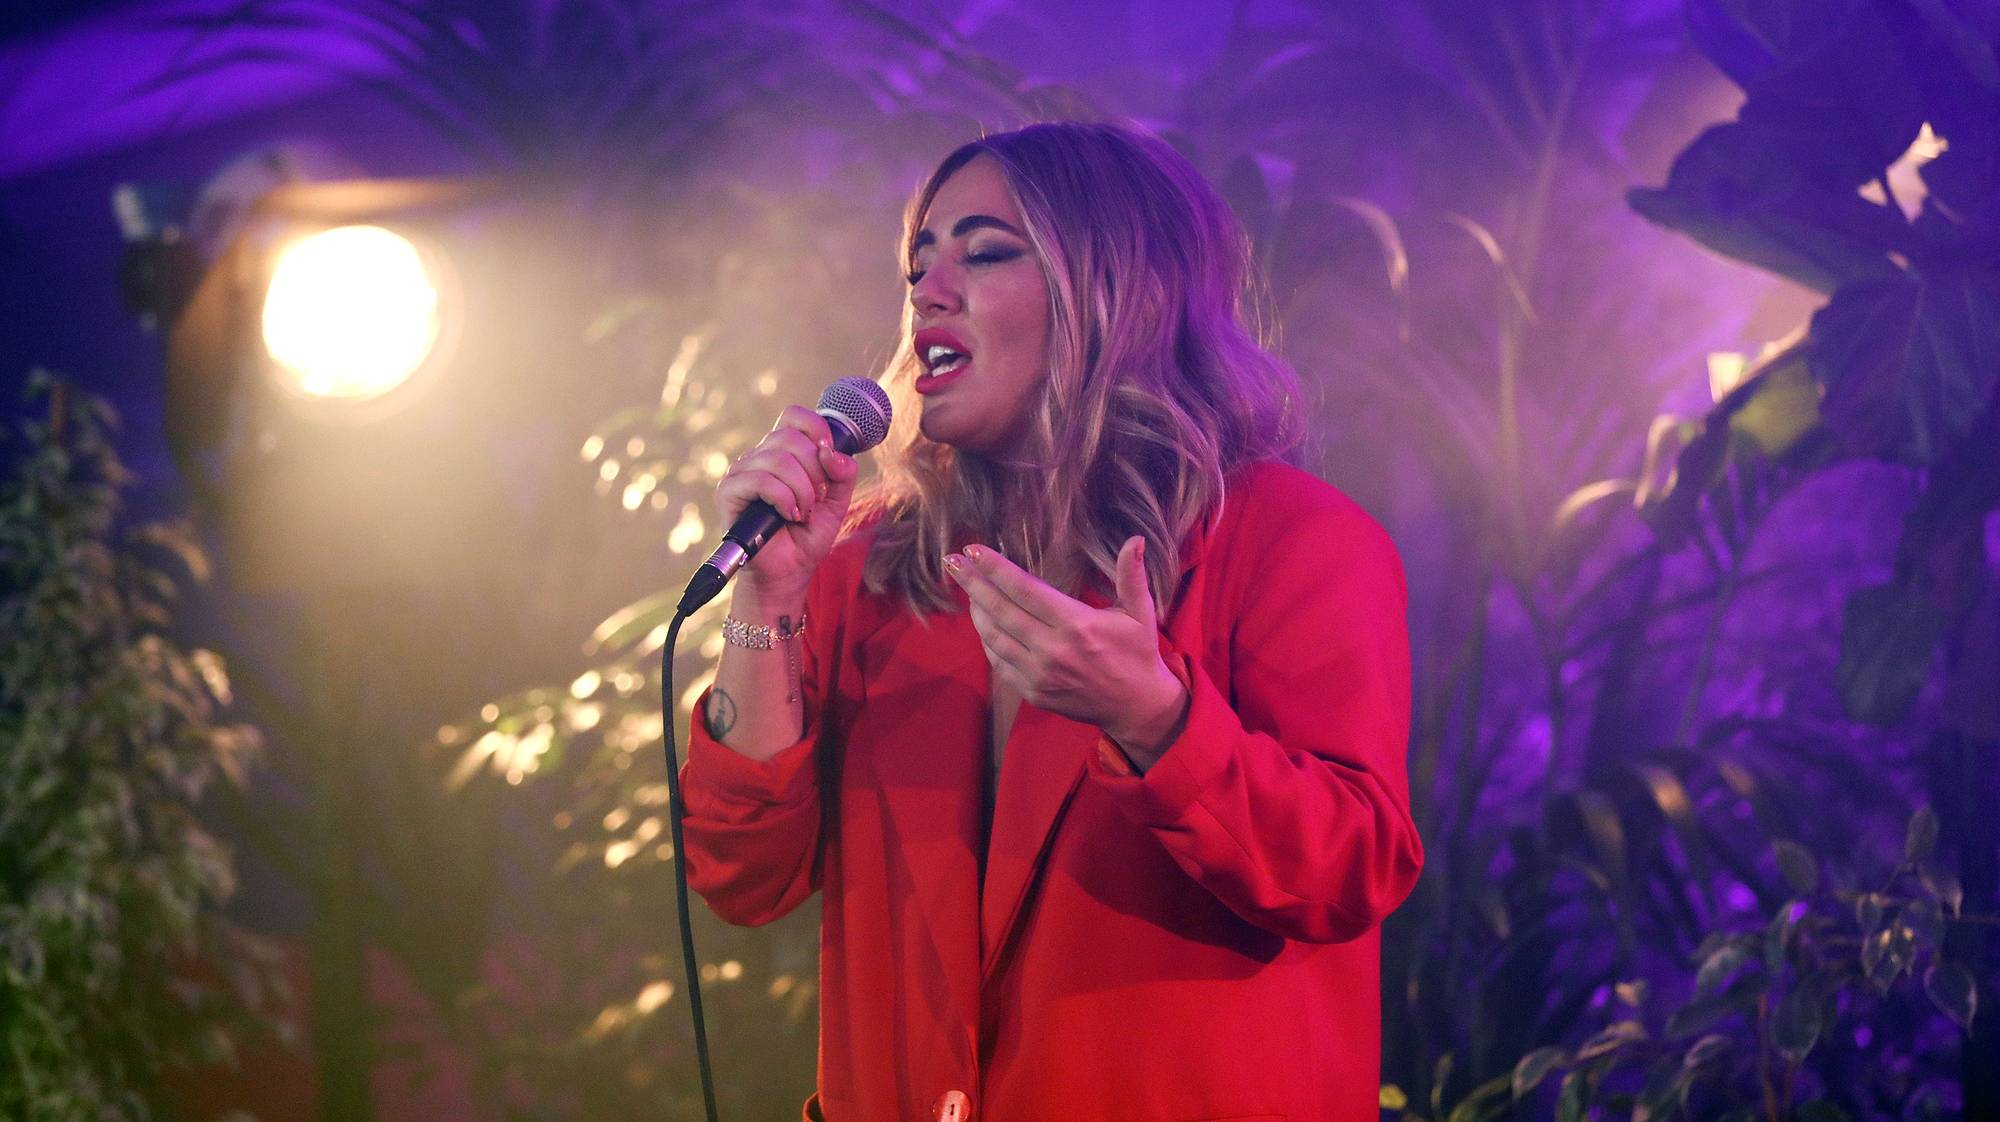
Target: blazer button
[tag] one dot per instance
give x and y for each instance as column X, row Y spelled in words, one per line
column 953, row 1106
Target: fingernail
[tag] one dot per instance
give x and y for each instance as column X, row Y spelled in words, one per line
column 972, row 551
column 953, row 561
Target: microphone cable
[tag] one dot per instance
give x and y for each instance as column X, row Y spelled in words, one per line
column 676, row 811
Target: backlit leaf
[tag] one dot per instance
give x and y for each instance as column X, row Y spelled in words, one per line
column 1954, row 990
column 1534, row 1067
column 1783, row 406
column 1707, row 1050
column 1717, row 969
column 1611, row 1038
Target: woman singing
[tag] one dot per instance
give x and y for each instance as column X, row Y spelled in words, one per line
column 1088, row 717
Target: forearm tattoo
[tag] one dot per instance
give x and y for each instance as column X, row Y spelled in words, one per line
column 720, row 714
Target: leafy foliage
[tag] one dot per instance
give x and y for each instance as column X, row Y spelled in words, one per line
column 116, row 964
column 1832, row 968
column 1903, row 352
column 1884, row 370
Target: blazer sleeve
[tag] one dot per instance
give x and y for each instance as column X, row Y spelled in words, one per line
column 1291, row 805
column 752, row 832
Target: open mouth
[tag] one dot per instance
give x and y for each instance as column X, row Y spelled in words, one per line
column 940, row 359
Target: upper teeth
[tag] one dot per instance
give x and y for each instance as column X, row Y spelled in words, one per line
column 940, row 356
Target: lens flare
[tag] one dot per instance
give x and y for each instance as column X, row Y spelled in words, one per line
column 351, row 313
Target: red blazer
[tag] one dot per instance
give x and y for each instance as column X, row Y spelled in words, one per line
column 1197, row 943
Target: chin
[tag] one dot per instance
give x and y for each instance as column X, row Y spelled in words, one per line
column 959, row 426
column 941, row 430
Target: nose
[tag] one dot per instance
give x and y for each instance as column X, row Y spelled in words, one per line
column 936, row 292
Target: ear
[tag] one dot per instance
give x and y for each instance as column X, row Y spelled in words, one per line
column 1135, row 596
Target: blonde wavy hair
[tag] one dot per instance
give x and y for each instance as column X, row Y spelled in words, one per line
column 1157, row 385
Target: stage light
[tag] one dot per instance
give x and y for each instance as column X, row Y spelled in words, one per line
column 351, row 313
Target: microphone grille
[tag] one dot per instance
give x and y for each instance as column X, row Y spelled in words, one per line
column 863, row 405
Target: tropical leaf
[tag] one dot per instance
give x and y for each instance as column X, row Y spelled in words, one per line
column 1785, row 406
column 1732, row 191
column 1908, row 361
column 1888, row 636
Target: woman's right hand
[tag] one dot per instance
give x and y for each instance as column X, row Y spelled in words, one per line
column 796, row 469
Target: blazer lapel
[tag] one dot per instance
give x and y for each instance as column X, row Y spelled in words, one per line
column 1040, row 770
column 1043, row 765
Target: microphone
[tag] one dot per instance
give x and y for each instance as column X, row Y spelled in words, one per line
column 857, row 412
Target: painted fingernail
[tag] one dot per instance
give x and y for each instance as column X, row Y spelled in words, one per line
column 953, row 562
column 972, row 551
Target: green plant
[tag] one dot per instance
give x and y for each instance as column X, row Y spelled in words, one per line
column 1861, row 167
column 1832, row 177
column 1829, row 961
column 117, row 966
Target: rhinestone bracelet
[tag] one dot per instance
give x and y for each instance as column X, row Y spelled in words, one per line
column 758, row 637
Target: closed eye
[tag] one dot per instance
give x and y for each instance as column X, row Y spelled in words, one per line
column 985, row 255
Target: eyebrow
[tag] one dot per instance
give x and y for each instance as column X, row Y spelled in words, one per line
column 965, row 226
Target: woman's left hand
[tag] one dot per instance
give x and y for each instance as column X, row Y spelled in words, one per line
column 1098, row 666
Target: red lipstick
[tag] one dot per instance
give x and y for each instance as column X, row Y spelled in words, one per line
column 927, row 340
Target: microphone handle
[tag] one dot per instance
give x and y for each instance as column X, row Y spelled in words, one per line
column 752, row 529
